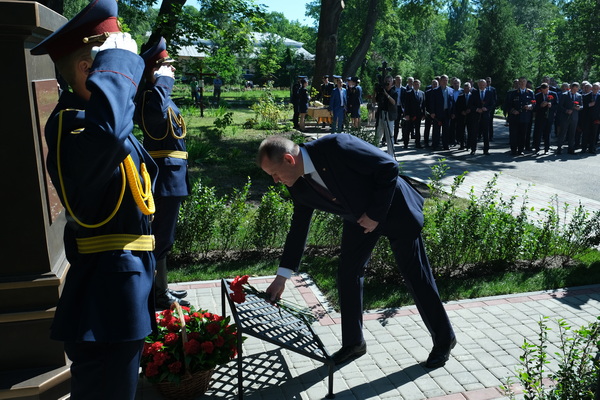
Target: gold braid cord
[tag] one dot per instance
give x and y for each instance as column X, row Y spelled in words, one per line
column 128, row 174
column 172, row 119
column 62, row 183
column 142, row 196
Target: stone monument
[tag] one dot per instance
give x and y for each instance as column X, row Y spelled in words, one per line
column 32, row 259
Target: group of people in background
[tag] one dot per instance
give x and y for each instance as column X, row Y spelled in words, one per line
column 340, row 97
column 457, row 114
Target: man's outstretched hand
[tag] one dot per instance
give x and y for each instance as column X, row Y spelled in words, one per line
column 275, row 290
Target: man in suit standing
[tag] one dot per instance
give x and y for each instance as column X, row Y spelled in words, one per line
column 545, row 107
column 344, row 175
column 591, row 103
column 414, row 112
column 400, row 93
column 428, row 120
column 337, row 105
column 494, row 93
column 568, row 108
column 440, row 109
column 462, row 111
column 519, row 105
column 481, row 106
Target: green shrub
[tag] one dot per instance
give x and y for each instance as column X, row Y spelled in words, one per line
column 196, row 226
column 272, row 220
column 577, row 374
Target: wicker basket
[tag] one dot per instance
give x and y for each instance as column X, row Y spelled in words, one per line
column 189, row 388
column 192, row 385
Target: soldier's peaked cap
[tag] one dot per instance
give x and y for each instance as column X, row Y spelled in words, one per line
column 93, row 24
column 157, row 54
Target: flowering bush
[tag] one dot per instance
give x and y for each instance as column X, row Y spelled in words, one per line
column 202, row 341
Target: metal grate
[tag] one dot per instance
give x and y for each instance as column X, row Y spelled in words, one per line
column 259, row 318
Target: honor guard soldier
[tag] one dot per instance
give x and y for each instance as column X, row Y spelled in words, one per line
column 294, row 100
column 104, row 179
column 164, row 139
column 326, row 89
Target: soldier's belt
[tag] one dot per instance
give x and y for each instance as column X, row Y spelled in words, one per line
column 124, row 241
column 168, row 153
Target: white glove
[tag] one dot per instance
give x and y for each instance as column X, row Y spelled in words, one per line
column 119, row 40
column 165, row 70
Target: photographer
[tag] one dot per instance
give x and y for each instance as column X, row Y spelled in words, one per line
column 385, row 95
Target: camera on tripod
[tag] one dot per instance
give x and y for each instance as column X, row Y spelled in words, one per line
column 380, row 85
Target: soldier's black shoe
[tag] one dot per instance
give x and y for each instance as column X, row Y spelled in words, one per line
column 165, row 300
column 180, row 294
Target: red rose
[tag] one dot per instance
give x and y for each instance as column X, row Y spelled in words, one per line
column 146, row 350
column 207, row 347
column 219, row 341
column 171, row 338
column 596, row 122
column 194, row 335
column 533, row 101
column 213, row 328
column 237, row 283
column 160, row 357
column 175, row 367
column 238, row 297
column 173, row 326
column 576, row 103
column 191, row 347
column 155, row 347
column 550, row 97
column 151, row 369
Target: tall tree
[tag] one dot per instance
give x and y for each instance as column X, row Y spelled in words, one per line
column 358, row 55
column 500, row 50
column 327, row 38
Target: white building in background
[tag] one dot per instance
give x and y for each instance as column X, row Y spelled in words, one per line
column 194, row 53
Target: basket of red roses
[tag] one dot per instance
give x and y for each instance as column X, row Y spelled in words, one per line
column 181, row 357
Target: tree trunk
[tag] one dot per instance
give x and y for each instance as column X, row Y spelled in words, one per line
column 327, row 39
column 358, row 55
column 168, row 15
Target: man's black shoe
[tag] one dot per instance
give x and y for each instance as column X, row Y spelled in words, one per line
column 180, row 294
column 438, row 357
column 347, row 353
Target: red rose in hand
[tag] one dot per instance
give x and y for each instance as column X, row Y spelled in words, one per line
column 550, row 97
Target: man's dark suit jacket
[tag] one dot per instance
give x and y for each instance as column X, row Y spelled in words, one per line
column 362, row 178
column 436, row 103
column 488, row 101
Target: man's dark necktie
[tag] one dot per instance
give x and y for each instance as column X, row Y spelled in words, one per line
column 320, row 189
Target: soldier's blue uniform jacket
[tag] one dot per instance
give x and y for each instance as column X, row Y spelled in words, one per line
column 93, row 139
column 164, row 132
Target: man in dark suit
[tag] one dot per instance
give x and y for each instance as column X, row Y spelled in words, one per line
column 441, row 105
column 590, row 119
column 414, row 112
column 546, row 102
column 344, row 175
column 462, row 110
column 568, row 108
column 519, row 105
column 337, row 105
column 494, row 93
column 428, row 120
column 399, row 99
column 481, row 106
